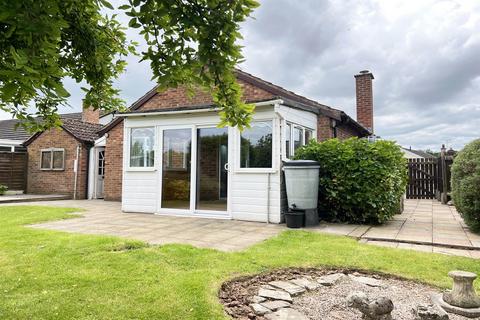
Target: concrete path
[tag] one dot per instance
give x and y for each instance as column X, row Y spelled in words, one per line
column 425, row 225
column 14, row 198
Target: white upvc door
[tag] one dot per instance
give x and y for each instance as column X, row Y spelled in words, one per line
column 192, row 174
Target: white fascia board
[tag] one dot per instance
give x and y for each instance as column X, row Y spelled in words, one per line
column 142, row 114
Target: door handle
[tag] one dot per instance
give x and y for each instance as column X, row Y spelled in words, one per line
column 225, row 166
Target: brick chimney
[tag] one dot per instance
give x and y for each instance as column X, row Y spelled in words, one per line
column 364, row 91
column 90, row 115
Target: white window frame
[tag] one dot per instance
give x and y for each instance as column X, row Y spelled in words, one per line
column 51, row 150
column 303, row 129
column 129, row 145
column 272, row 169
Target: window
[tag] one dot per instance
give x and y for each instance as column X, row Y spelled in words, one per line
column 308, row 135
column 295, row 138
column 288, row 134
column 142, row 142
column 256, row 145
column 52, row 159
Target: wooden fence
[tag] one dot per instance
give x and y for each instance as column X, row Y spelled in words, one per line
column 13, row 170
column 423, row 178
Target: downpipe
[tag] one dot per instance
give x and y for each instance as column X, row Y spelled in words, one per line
column 75, row 170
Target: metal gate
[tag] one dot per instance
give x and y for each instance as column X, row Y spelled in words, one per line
column 13, row 170
column 423, row 178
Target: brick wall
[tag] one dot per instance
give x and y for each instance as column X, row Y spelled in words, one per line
column 345, row 132
column 170, row 98
column 113, row 164
column 324, row 128
column 56, row 182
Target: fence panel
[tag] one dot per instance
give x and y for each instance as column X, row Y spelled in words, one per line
column 13, row 170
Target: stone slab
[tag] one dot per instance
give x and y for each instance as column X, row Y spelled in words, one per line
column 306, row 283
column 286, row 314
column 259, row 309
column 372, row 282
column 275, row 305
column 275, row 294
column 287, row 286
column 330, row 279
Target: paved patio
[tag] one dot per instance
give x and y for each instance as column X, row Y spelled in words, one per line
column 425, row 225
column 106, row 218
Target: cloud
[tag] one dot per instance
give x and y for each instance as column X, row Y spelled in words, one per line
column 424, row 55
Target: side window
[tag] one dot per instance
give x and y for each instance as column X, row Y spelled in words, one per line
column 52, row 159
column 308, row 135
column 295, row 137
column 288, row 134
column 142, row 142
column 256, row 145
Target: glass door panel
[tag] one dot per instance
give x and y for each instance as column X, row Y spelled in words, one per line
column 212, row 174
column 176, row 170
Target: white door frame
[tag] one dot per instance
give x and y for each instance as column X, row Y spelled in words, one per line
column 193, row 175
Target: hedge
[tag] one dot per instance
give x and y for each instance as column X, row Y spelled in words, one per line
column 466, row 184
column 360, row 181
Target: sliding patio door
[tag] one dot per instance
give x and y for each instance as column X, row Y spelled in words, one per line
column 195, row 170
column 212, row 174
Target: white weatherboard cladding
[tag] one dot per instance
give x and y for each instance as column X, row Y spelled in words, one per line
column 253, row 194
column 300, row 117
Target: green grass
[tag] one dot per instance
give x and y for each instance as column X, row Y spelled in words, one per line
column 56, row 275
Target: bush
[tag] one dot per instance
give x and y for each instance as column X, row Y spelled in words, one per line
column 466, row 184
column 360, row 181
column 3, row 189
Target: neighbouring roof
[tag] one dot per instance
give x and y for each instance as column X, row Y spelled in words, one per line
column 84, row 132
column 12, row 130
column 290, row 99
column 420, row 153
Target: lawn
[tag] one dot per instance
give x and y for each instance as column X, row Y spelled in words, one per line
column 56, row 275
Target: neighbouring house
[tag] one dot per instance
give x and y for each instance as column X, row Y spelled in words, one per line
column 410, row 153
column 13, row 156
column 166, row 155
column 59, row 159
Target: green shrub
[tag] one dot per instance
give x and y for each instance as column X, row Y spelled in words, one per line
column 3, row 189
column 466, row 184
column 360, row 181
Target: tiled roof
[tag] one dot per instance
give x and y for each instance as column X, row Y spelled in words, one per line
column 291, row 98
column 12, row 130
column 81, row 130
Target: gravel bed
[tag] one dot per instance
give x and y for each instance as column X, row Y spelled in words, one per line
column 329, row 303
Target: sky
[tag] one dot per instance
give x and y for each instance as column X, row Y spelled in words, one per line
column 424, row 54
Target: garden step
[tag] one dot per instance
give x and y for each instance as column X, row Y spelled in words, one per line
column 306, row 283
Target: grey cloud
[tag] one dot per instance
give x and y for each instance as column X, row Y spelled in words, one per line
column 424, row 55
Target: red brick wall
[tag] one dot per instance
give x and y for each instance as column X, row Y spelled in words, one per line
column 113, row 164
column 57, row 182
column 168, row 99
column 324, row 128
column 364, row 93
column 345, row 132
